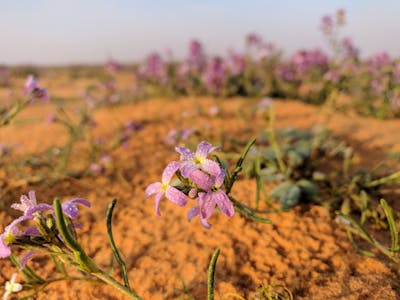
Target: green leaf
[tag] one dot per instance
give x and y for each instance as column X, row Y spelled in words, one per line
column 308, row 189
column 278, row 191
column 392, row 226
column 295, row 159
column 291, row 197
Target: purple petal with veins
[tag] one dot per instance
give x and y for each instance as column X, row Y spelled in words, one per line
column 201, row 179
column 207, row 205
column 224, row 203
column 152, row 189
column 71, row 210
column 203, row 149
column 194, row 211
column 184, row 152
column 169, row 171
column 176, row 196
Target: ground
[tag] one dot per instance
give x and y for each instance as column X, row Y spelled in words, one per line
column 167, row 257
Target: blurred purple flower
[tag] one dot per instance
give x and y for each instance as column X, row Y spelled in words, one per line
column 327, row 24
column 332, row 76
column 235, row 63
column 306, row 59
column 349, row 50
column 253, row 40
column 196, row 56
column 113, row 66
column 34, row 91
column 214, row 76
column 155, row 67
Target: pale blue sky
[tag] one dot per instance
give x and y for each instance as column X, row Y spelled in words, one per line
column 73, row 31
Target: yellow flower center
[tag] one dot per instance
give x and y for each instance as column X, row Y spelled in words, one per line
column 9, row 238
column 164, row 186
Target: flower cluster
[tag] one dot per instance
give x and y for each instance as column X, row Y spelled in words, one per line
column 201, row 179
column 43, row 231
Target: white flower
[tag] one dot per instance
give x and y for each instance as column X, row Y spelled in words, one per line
column 12, row 287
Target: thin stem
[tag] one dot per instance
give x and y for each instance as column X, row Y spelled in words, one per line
column 383, row 180
column 211, row 274
column 111, row 281
column 83, row 259
column 248, row 212
column 112, row 243
column 274, row 142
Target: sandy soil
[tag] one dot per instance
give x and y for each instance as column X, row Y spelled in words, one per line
column 167, row 257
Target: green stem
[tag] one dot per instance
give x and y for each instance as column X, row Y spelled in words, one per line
column 111, row 281
column 248, row 212
column 238, row 166
column 211, row 275
column 383, row 180
column 83, row 259
column 112, row 243
column 274, row 142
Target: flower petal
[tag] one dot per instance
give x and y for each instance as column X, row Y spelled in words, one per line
column 39, row 207
column 203, row 149
column 157, row 200
column 207, row 205
column 176, row 196
column 26, row 258
column 224, row 203
column 187, row 168
column 5, row 250
column 194, row 211
column 205, row 223
column 69, row 208
column 219, row 180
column 201, row 179
column 153, row 188
column 169, row 171
column 184, row 152
column 211, row 167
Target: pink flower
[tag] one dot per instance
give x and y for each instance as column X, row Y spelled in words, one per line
column 198, row 160
column 164, row 188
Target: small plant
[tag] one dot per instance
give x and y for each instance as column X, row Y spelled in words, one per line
column 51, row 229
column 206, row 181
column 358, row 228
column 32, row 91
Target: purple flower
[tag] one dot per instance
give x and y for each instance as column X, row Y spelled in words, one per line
column 327, row 24
column 33, row 90
column 196, row 57
column 253, row 39
column 8, row 236
column 198, row 160
column 195, row 211
column 69, row 207
column 214, row 76
column 236, row 63
column 212, row 197
column 349, row 50
column 164, row 188
column 154, row 68
column 113, row 66
column 29, row 205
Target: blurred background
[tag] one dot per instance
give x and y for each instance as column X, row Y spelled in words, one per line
column 48, row 32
